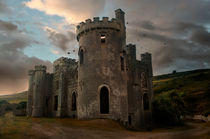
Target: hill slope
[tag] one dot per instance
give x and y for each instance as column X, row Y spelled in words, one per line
column 195, row 86
column 15, row 98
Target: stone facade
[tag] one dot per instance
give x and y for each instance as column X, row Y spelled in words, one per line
column 107, row 81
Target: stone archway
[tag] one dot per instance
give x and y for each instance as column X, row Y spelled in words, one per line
column 146, row 101
column 104, row 100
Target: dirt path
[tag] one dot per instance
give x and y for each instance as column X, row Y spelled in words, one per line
column 58, row 131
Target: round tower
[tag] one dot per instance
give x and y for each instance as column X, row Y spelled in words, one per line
column 30, row 92
column 102, row 88
column 39, row 91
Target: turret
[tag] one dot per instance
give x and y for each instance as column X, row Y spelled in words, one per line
column 131, row 51
column 146, row 58
column 30, row 92
column 120, row 15
column 39, row 91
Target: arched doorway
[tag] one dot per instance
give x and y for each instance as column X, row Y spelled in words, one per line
column 104, row 100
column 146, row 101
column 74, row 102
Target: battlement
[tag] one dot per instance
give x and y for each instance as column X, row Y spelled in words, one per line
column 97, row 24
column 146, row 57
column 40, row 68
column 64, row 61
column 131, row 50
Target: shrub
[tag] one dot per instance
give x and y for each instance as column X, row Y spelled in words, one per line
column 22, row 105
column 168, row 107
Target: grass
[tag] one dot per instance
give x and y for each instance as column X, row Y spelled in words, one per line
column 13, row 127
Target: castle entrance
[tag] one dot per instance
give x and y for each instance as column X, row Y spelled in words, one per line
column 104, row 100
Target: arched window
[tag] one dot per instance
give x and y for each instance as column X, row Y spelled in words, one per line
column 146, row 101
column 74, row 102
column 143, row 80
column 81, row 56
column 104, row 100
column 55, row 103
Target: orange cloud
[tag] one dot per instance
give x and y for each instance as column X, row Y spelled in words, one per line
column 73, row 10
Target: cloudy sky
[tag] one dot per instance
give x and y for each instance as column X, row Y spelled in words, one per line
column 176, row 32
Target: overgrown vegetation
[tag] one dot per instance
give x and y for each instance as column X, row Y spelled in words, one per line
column 168, row 108
column 181, row 93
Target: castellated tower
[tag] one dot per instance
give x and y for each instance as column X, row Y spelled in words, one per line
column 107, row 81
column 102, row 88
column 39, row 91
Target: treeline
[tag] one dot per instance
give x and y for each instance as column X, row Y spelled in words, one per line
column 17, row 109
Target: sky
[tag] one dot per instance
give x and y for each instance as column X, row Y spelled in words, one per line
column 34, row 32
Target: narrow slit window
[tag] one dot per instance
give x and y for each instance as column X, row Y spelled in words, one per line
column 81, row 56
column 55, row 103
column 103, row 38
column 122, row 63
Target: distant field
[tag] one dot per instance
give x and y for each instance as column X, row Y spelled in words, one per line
column 15, row 98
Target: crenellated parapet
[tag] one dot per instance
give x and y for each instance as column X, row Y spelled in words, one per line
column 64, row 61
column 97, row 24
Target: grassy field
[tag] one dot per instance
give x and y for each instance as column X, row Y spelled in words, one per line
column 66, row 128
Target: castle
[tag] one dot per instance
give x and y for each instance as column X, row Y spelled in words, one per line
column 107, row 81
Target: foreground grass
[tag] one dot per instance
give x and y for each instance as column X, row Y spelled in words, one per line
column 13, row 127
column 16, row 127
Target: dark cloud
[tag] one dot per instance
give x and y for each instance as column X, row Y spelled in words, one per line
column 201, row 36
column 175, row 32
column 61, row 40
column 7, row 26
column 14, row 64
column 172, row 48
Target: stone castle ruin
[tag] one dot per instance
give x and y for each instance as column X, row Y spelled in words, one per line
column 107, row 81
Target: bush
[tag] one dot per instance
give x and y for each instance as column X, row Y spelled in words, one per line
column 168, row 107
column 22, row 105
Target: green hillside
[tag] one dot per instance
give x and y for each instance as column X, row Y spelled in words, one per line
column 15, row 98
column 194, row 85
